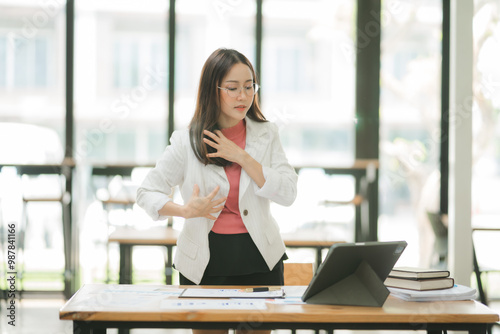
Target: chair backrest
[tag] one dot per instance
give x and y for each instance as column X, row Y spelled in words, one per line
column 440, row 230
column 298, row 273
column 441, row 237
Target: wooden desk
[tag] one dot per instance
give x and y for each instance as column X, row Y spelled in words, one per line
column 94, row 308
column 166, row 236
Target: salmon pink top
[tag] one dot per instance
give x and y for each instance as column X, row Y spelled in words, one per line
column 229, row 220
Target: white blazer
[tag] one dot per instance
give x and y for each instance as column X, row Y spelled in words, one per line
column 179, row 166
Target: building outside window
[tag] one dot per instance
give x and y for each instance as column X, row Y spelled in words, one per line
column 307, row 88
column 410, row 118
column 486, row 139
column 32, row 125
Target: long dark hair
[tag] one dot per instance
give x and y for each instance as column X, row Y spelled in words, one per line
column 208, row 105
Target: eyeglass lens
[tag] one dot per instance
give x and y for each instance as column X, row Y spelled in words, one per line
column 249, row 90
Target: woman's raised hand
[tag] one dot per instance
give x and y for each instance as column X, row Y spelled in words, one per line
column 203, row 206
column 226, row 148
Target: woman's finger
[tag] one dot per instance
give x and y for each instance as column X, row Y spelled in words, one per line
column 219, row 202
column 213, row 193
column 213, row 155
column 216, row 209
column 209, row 142
column 219, row 134
column 196, row 190
column 211, row 135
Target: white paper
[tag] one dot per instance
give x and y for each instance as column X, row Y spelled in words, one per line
column 293, row 295
column 288, row 301
column 230, row 293
column 125, row 297
column 213, row 304
column 458, row 292
column 292, row 291
column 147, row 291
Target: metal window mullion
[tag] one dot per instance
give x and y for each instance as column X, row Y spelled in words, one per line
column 258, row 39
column 171, row 68
column 445, row 106
column 367, row 101
column 70, row 240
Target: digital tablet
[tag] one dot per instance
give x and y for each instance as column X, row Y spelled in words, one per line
column 354, row 274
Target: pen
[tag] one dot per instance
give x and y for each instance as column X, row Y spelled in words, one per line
column 261, row 289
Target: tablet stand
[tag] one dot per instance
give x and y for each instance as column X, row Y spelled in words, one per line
column 361, row 288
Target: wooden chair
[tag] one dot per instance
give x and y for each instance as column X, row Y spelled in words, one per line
column 298, row 273
column 57, row 194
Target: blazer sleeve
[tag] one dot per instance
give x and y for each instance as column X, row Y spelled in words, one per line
column 281, row 178
column 156, row 189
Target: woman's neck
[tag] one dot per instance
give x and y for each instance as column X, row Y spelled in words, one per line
column 229, row 124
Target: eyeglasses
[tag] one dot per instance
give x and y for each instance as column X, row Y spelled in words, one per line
column 234, row 92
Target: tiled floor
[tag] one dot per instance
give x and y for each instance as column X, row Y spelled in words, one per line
column 39, row 315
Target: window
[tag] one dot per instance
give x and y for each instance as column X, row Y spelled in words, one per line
column 32, row 118
column 202, row 27
column 3, row 61
column 25, row 62
column 120, row 81
column 410, row 125
column 30, row 63
column 486, row 108
column 126, row 63
column 31, row 69
column 308, row 81
column 486, row 138
column 308, row 91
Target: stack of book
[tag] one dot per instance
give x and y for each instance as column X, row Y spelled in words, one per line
column 419, row 279
column 416, row 284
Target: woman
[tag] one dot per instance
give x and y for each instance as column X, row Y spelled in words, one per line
column 229, row 165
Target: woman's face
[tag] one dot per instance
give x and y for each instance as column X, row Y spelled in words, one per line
column 234, row 109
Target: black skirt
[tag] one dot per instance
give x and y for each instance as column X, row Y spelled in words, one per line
column 236, row 260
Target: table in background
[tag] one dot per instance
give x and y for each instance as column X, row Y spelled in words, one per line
column 128, row 237
column 365, row 173
column 316, row 241
column 94, row 308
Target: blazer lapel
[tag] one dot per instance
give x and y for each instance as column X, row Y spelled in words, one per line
column 255, row 145
column 217, row 171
